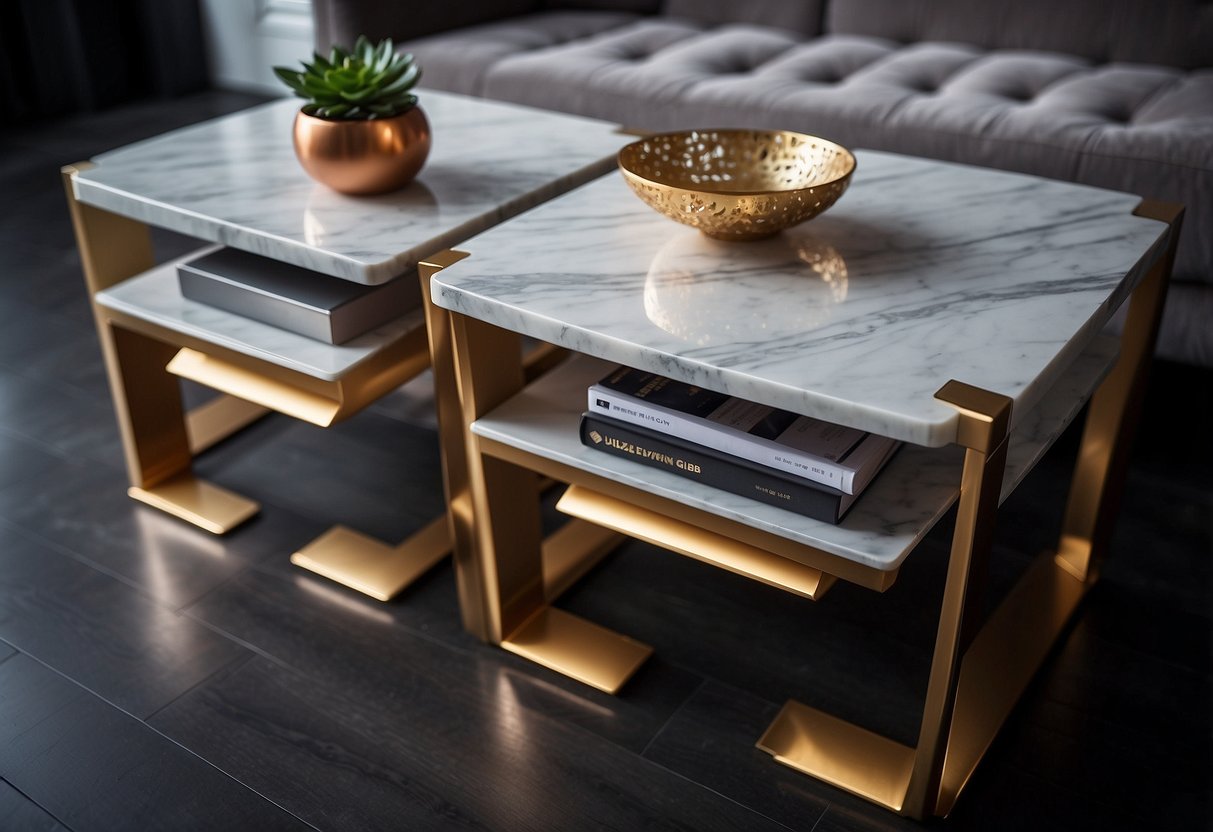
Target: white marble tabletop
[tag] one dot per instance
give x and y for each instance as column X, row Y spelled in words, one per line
column 922, row 273
column 235, row 180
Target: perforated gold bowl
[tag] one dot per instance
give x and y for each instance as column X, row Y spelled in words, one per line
column 737, row 184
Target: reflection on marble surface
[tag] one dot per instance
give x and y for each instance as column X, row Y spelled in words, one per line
column 957, row 273
column 325, row 216
column 235, row 180
column 683, row 293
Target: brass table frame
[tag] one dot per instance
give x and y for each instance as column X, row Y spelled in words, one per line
column 160, row 439
column 980, row 665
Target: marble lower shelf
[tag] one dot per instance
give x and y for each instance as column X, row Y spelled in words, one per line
column 155, row 297
column 913, row 492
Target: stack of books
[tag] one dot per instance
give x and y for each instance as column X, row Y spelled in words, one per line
column 802, row 464
column 293, row 298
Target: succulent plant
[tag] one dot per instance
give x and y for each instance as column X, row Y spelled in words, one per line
column 368, row 81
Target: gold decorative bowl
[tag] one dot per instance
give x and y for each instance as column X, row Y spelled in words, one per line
column 737, row 184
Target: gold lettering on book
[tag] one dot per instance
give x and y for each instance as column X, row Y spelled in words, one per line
column 656, row 456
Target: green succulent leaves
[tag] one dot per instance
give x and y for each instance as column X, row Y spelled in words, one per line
column 368, row 81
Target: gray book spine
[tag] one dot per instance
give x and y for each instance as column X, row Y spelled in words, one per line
column 318, row 306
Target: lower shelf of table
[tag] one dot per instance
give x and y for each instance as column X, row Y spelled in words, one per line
column 886, row 523
column 155, row 297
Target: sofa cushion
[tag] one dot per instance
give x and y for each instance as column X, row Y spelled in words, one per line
column 1169, row 32
column 634, row 75
column 802, row 16
column 1143, row 129
column 1184, row 334
column 609, row 75
column 458, row 61
column 342, row 21
column 638, row 6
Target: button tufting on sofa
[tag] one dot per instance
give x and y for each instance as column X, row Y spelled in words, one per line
column 1095, row 103
column 1020, row 96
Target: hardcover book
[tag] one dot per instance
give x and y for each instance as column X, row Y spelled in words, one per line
column 719, row 470
column 825, row 453
column 290, row 297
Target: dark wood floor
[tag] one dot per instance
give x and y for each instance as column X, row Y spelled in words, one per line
column 155, row 677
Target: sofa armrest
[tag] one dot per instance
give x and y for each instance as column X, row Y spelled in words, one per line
column 342, row 21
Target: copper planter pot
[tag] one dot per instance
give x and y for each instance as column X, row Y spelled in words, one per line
column 363, row 157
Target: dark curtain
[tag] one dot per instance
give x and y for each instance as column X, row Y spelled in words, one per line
column 64, row 56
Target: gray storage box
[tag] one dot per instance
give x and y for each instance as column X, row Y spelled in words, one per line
column 326, row 308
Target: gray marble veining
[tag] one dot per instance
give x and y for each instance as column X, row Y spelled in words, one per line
column 917, row 487
column 922, row 273
column 235, row 180
column 155, row 296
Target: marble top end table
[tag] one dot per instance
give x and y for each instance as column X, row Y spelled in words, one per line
column 235, row 181
column 958, row 309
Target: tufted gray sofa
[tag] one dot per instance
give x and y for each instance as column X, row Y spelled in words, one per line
column 1113, row 93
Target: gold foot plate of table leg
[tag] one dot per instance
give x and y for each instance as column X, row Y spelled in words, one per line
column 580, row 649
column 199, row 502
column 373, row 568
column 840, row 753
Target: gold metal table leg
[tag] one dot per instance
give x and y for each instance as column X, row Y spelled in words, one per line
column 453, row 439
column 979, row 673
column 505, row 579
column 147, row 399
column 985, row 420
column 158, row 455
column 1014, row 643
column 897, row 777
column 1113, row 415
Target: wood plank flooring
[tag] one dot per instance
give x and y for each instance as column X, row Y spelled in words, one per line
column 155, row 677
